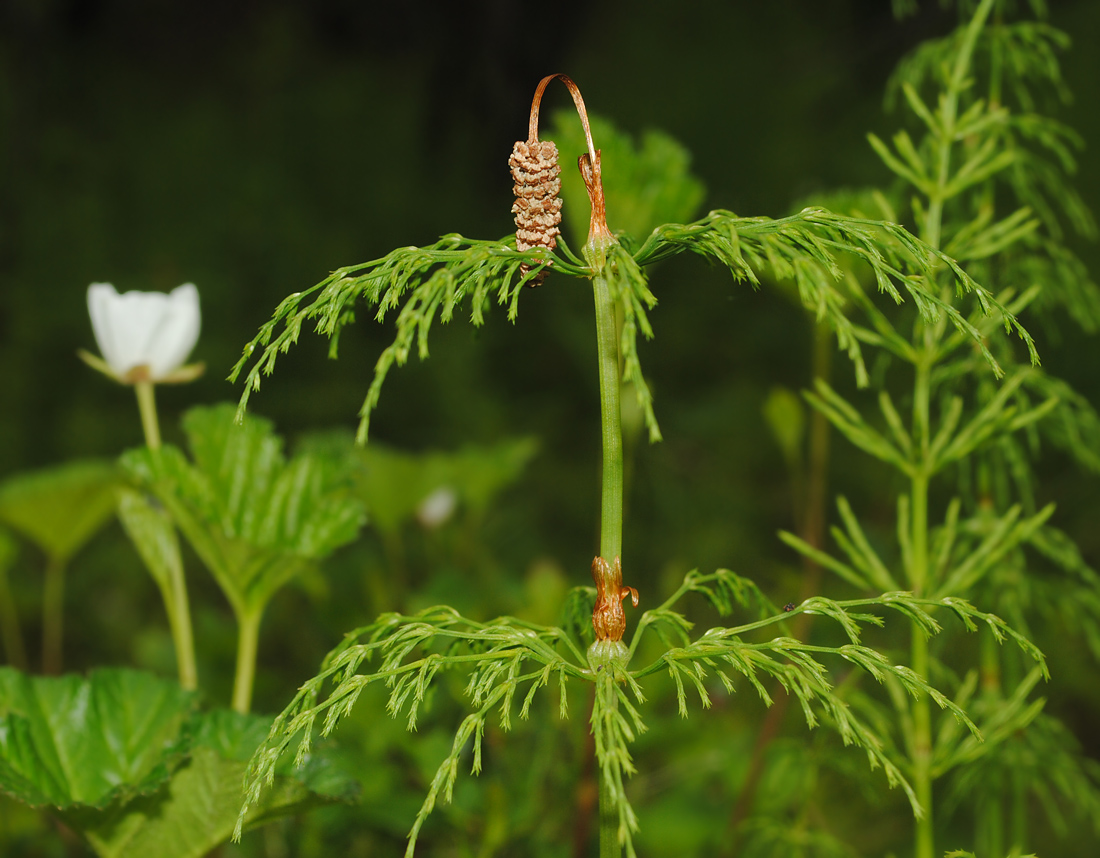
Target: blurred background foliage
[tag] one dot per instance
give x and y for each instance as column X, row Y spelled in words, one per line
column 251, row 148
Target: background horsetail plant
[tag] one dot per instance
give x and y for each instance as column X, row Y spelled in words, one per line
column 978, row 152
column 506, row 657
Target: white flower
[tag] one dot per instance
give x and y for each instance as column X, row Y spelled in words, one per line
column 437, row 507
column 144, row 336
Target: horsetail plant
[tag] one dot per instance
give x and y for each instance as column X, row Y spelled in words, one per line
column 982, row 145
column 508, row 657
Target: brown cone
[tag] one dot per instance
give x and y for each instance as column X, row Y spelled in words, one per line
column 537, row 208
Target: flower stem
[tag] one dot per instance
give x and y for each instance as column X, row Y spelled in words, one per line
column 53, row 616
column 179, row 621
column 148, row 407
column 248, row 636
column 175, row 595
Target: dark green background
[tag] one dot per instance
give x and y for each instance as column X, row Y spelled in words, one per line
column 252, row 147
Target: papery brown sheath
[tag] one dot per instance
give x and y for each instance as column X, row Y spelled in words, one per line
column 608, row 617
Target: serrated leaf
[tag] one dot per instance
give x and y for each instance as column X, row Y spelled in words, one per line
column 72, row 741
column 253, row 517
column 196, row 810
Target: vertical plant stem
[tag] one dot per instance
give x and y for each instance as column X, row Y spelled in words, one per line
column 812, row 525
column 176, row 601
column 922, row 752
column 611, row 504
column 609, row 821
column 248, row 637
column 921, row 740
column 179, row 621
column 147, row 405
column 53, row 616
column 607, row 699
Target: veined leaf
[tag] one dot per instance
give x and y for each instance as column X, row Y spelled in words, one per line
column 196, row 810
column 69, row 741
column 254, row 518
column 153, row 535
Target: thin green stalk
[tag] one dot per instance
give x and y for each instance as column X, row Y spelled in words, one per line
column 922, row 752
column 248, row 637
column 609, row 817
column 148, row 407
column 921, row 740
column 611, row 505
column 179, row 621
column 53, row 616
column 991, row 827
column 176, row 601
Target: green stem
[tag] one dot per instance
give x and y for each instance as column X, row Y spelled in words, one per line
column 147, row 405
column 611, row 506
column 248, row 637
column 175, row 595
column 921, row 740
column 609, row 815
column 179, row 621
column 922, row 752
column 53, row 616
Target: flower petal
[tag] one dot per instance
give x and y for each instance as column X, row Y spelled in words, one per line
column 145, row 328
column 101, row 299
column 177, row 332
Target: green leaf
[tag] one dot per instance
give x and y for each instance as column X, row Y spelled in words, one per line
column 650, row 183
column 254, row 518
column 392, row 484
column 70, row 741
column 153, row 535
column 197, row 809
column 60, row 508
